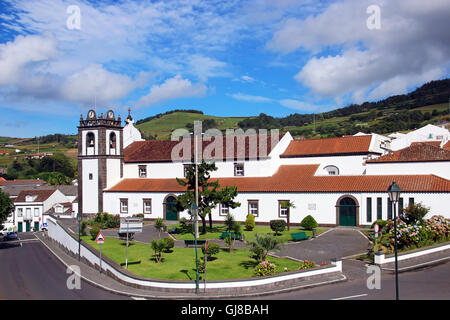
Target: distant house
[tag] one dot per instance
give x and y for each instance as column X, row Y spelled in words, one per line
column 427, row 133
column 32, row 207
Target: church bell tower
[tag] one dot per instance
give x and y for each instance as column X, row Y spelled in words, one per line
column 100, row 159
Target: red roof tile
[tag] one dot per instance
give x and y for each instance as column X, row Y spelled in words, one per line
column 446, row 146
column 161, row 150
column 299, row 178
column 328, row 146
column 416, row 152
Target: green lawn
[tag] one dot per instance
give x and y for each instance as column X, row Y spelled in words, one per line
column 180, row 263
column 249, row 235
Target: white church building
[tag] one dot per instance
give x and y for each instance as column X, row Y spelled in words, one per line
column 339, row 181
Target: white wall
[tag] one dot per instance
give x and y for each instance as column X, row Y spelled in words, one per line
column 348, row 165
column 90, row 187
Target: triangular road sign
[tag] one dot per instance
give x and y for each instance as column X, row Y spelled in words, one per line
column 100, row 238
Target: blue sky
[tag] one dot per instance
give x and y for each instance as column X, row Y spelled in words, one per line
column 225, row 58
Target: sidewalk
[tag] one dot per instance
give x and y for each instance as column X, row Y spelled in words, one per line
column 419, row 262
column 105, row 282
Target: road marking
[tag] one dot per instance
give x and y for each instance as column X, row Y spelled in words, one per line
column 351, row 297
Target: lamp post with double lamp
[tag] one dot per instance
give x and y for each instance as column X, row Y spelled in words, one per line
column 394, row 195
column 79, row 218
column 194, row 212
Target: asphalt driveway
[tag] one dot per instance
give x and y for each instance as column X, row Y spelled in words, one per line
column 335, row 243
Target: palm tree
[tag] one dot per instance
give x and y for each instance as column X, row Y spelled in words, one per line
column 262, row 245
column 288, row 205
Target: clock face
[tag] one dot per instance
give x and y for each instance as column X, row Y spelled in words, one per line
column 110, row 114
column 91, row 114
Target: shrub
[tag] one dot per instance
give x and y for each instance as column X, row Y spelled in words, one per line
column 262, row 245
column 250, row 222
column 414, row 213
column 83, row 228
column 94, row 232
column 309, row 223
column 381, row 223
column 265, row 268
column 213, row 249
column 306, row 264
column 277, row 226
column 158, row 246
column 169, row 243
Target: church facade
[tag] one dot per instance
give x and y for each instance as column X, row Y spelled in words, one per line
column 339, row 181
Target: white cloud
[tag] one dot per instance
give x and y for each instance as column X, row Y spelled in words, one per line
column 410, row 47
column 173, row 88
column 299, row 105
column 16, row 56
column 250, row 98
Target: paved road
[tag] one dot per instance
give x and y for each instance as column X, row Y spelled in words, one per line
column 432, row 283
column 29, row 271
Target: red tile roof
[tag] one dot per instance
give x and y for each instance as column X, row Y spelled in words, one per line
column 416, row 152
column 22, row 182
column 299, row 178
column 328, row 146
column 161, row 150
column 432, row 143
column 42, row 195
column 446, row 146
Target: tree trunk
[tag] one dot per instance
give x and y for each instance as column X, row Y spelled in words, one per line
column 210, row 221
column 203, row 224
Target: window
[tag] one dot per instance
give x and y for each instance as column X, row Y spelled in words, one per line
column 123, row 205
column 379, row 208
column 143, row 171
column 332, row 170
column 253, row 207
column 28, row 213
column 282, row 212
column 411, row 201
column 369, row 210
column 90, row 138
column 147, row 206
column 224, row 209
column 112, row 140
column 389, row 209
column 36, row 212
column 20, row 212
column 400, row 206
column 91, row 176
column 239, row 169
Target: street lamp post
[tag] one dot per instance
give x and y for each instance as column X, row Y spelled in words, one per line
column 194, row 211
column 394, row 195
column 79, row 218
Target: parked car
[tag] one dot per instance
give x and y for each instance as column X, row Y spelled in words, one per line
column 10, row 236
column 6, row 229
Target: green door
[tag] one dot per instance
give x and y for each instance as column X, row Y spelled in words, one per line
column 171, row 211
column 19, row 227
column 347, row 212
column 36, row 226
column 27, row 226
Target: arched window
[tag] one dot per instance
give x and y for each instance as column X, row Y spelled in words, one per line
column 112, row 140
column 332, row 170
column 90, row 144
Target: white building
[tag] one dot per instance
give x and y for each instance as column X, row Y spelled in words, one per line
column 428, row 133
column 32, row 206
column 326, row 178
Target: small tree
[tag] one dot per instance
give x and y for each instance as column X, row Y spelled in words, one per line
column 6, row 206
column 287, row 205
column 159, row 225
column 250, row 222
column 230, row 224
column 158, row 246
column 262, row 245
column 213, row 249
column 309, row 223
column 413, row 213
column 169, row 243
column 277, row 226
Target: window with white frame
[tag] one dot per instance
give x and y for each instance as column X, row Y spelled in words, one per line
column 36, row 212
column 253, row 207
column 224, row 209
column 20, row 212
column 123, row 205
column 28, row 213
column 282, row 209
column 147, row 206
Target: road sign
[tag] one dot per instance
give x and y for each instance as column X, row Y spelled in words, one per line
column 377, row 230
column 100, row 238
column 130, row 225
